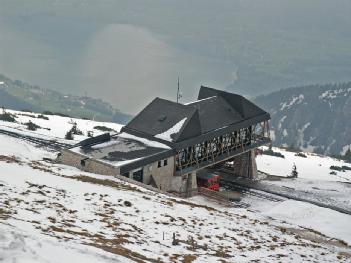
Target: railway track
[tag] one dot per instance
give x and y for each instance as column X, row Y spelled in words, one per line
column 249, row 191
column 278, row 196
column 40, row 142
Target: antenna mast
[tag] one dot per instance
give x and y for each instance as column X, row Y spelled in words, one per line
column 178, row 92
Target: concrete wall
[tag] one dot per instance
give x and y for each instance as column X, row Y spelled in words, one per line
column 185, row 184
column 91, row 165
column 162, row 176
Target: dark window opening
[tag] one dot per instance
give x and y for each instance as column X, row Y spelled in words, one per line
column 138, row 175
column 165, row 162
column 159, row 164
column 82, row 162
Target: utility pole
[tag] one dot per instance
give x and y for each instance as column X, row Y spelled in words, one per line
column 179, row 95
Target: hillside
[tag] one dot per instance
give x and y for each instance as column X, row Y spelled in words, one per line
column 18, row 95
column 55, row 213
column 313, row 118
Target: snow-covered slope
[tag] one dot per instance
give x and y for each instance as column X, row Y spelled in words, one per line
column 313, row 167
column 47, row 208
column 55, row 213
column 55, row 126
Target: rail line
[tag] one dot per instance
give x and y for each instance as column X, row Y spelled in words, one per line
column 271, row 194
column 50, row 144
column 249, row 191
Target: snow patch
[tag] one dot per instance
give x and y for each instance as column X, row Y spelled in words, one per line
column 192, row 102
column 345, row 148
column 301, row 134
column 281, row 122
column 144, row 141
column 272, row 134
column 174, row 130
column 294, row 101
column 332, row 94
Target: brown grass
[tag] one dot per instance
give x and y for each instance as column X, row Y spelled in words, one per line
column 183, row 202
column 4, row 214
column 189, row 258
column 10, row 159
column 104, row 182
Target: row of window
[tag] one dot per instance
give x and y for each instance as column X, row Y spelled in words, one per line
column 165, row 163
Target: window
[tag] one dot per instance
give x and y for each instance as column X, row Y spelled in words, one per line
column 165, row 162
column 159, row 164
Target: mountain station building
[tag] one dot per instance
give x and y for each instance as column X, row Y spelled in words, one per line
column 168, row 143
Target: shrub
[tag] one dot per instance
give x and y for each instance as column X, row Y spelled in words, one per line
column 127, row 203
column 300, row 154
column 26, row 110
column 272, row 153
column 69, row 135
column 61, row 114
column 346, row 168
column 41, row 116
column 103, row 128
column 75, row 129
column 7, row 117
column 32, row 126
column 340, row 169
column 336, row 168
column 294, row 173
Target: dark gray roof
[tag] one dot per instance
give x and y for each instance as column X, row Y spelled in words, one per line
column 214, row 113
column 245, row 108
column 159, row 116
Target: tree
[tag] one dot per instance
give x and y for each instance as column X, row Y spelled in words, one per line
column 75, row 129
column 294, row 172
column 347, row 155
column 69, row 135
column 32, row 126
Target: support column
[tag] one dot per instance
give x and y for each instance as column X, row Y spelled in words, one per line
column 245, row 165
column 191, row 184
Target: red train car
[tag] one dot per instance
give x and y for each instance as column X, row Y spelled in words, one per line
column 208, row 180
